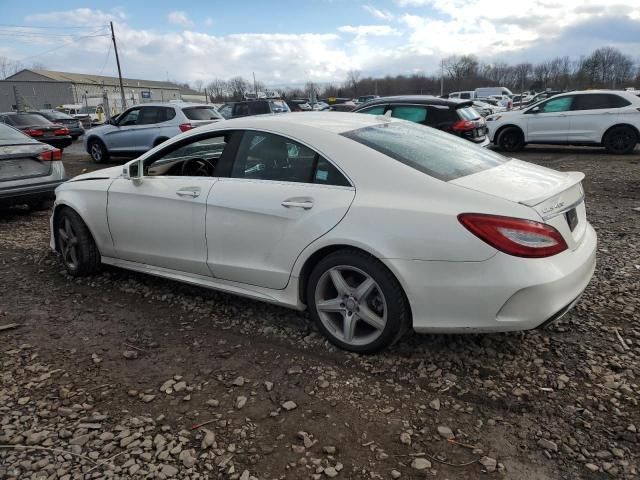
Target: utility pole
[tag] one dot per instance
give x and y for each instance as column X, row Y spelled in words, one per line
column 255, row 86
column 441, row 77
column 115, row 49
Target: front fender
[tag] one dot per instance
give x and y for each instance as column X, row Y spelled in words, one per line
column 88, row 199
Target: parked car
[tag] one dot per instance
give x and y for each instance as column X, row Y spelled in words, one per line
column 492, row 92
column 259, row 107
column 225, row 110
column 299, row 210
column 543, row 96
column 465, row 95
column 145, row 126
column 39, row 128
column 366, row 98
column 519, row 100
column 457, row 117
column 484, row 108
column 30, row 170
column 298, row 105
column 73, row 124
column 342, row 107
column 319, row 106
column 593, row 117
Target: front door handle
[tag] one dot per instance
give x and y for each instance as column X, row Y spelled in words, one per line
column 305, row 203
column 192, row 192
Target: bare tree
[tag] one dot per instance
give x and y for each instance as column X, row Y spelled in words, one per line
column 353, row 78
column 38, row 66
column 238, row 86
column 197, row 85
column 218, row 89
column 8, row 67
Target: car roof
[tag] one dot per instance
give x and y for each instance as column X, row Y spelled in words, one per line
column 419, row 99
column 333, row 122
column 622, row 93
column 172, row 104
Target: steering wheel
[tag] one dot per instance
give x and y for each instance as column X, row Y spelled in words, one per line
column 196, row 167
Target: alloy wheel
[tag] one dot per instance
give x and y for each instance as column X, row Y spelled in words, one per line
column 68, row 243
column 96, row 152
column 621, row 142
column 351, row 305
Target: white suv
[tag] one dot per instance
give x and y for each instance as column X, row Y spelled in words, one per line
column 593, row 118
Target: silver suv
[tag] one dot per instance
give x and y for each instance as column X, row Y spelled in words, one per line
column 142, row 127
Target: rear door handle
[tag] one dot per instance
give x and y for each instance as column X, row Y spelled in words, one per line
column 189, row 192
column 305, row 203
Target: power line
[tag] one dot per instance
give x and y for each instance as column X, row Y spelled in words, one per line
column 34, row 26
column 54, row 49
column 106, row 59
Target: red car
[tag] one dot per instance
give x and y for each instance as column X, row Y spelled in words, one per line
column 38, row 128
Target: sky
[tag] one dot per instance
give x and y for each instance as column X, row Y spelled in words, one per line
column 290, row 42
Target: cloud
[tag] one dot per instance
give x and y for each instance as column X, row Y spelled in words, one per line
column 373, row 30
column 208, row 21
column 178, row 17
column 379, row 13
column 77, row 17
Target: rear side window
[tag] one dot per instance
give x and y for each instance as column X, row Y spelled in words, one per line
column 201, row 113
column 259, row 108
column 240, row 109
column 409, row 112
column 375, row 110
column 429, row 151
column 279, row 106
column 465, row 95
column 28, row 119
column 468, row 113
column 595, row 101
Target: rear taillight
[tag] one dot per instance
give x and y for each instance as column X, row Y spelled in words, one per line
column 515, row 236
column 61, row 131
column 185, row 127
column 33, row 132
column 50, row 155
column 463, row 126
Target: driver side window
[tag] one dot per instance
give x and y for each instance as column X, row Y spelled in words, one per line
column 196, row 159
column 129, row 118
column 562, row 104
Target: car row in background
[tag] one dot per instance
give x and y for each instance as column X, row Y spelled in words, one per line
column 38, row 127
column 72, row 123
column 30, row 170
column 590, row 118
column 142, row 127
column 457, row 117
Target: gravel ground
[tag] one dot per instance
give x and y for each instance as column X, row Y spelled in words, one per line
column 128, row 376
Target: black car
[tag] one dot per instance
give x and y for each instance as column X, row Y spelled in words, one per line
column 38, row 128
column 259, row 107
column 457, row 117
column 73, row 124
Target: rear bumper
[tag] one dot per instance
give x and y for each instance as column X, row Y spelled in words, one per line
column 27, row 193
column 61, row 142
column 503, row 293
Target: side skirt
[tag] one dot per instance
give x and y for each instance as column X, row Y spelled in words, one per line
column 286, row 298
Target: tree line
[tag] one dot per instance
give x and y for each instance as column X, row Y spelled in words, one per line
column 606, row 67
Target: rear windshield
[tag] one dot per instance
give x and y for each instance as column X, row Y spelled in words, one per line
column 28, row 119
column 201, row 113
column 468, row 113
column 11, row 136
column 279, row 106
column 438, row 154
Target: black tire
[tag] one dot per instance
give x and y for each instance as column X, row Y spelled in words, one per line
column 98, row 151
column 620, row 140
column 70, row 229
column 511, row 139
column 398, row 316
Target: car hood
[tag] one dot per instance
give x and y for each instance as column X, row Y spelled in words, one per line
column 105, row 173
column 522, row 182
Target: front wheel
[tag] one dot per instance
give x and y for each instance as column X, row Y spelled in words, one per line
column 98, row 151
column 620, row 140
column 78, row 250
column 511, row 139
column 357, row 302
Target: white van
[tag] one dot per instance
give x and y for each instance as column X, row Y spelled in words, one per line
column 491, row 91
column 465, row 95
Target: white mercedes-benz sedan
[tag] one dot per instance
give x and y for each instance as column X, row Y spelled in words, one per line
column 373, row 224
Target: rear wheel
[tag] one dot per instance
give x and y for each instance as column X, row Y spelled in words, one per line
column 620, row 140
column 78, row 251
column 357, row 302
column 511, row 139
column 98, row 151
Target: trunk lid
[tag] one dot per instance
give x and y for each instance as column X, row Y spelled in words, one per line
column 557, row 197
column 18, row 162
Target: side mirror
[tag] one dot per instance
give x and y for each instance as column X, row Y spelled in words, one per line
column 132, row 170
column 534, row 110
